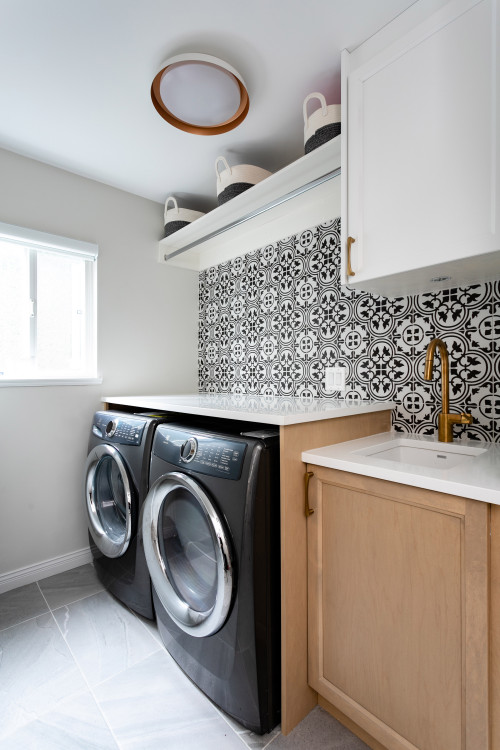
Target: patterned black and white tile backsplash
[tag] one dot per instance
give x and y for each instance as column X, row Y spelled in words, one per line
column 272, row 320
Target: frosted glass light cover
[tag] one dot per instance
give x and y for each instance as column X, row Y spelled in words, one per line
column 200, row 93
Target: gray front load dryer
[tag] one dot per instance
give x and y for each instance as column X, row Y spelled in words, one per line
column 212, row 543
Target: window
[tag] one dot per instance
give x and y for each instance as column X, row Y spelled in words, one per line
column 47, row 307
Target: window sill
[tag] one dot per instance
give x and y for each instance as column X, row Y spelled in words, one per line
column 20, row 383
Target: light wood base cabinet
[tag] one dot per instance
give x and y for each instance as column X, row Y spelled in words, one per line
column 297, row 698
column 495, row 628
column 398, row 610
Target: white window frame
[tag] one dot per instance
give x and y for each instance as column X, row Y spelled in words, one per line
column 43, row 241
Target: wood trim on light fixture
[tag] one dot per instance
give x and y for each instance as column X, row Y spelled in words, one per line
column 222, row 127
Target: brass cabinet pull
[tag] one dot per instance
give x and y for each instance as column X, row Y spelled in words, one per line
column 350, row 272
column 309, row 511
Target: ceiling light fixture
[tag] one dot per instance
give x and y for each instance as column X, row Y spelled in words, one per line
column 200, row 94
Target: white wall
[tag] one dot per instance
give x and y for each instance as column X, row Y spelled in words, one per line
column 147, row 343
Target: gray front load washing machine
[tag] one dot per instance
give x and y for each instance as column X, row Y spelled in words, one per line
column 116, row 484
column 211, row 538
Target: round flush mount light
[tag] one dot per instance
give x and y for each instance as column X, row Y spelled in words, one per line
column 200, row 94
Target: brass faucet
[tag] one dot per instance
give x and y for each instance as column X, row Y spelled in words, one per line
column 445, row 419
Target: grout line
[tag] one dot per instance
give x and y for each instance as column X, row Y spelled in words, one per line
column 73, row 601
column 91, row 691
column 217, row 709
column 50, row 611
column 222, row 715
column 240, row 735
column 40, row 614
column 43, row 596
column 139, row 617
column 278, row 734
column 28, row 619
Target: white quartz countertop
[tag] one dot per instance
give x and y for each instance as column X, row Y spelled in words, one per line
column 279, row 410
column 476, row 477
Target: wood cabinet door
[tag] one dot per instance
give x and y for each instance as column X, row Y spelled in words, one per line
column 423, row 163
column 398, row 611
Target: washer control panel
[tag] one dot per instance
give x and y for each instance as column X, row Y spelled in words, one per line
column 217, row 457
column 115, row 428
column 188, row 450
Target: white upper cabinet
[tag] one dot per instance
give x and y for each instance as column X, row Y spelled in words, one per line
column 421, row 151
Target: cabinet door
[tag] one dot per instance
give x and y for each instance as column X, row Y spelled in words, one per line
column 423, row 154
column 398, row 611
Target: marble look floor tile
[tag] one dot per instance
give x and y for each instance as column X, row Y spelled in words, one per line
column 76, row 724
column 21, row 604
column 318, row 731
column 70, row 586
column 104, row 636
column 167, row 712
column 249, row 738
column 151, row 626
column 37, row 671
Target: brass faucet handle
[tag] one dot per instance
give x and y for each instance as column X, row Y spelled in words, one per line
column 446, row 422
column 462, row 418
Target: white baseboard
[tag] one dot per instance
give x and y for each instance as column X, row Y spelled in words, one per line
column 32, row 573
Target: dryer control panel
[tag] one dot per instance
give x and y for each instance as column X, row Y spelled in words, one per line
column 217, row 457
column 118, row 429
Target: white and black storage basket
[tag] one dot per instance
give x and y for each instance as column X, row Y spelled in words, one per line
column 175, row 218
column 322, row 125
column 231, row 181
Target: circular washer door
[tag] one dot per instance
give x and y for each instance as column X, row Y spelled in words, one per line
column 108, row 495
column 188, row 552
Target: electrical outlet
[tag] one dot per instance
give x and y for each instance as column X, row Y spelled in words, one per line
column 335, row 378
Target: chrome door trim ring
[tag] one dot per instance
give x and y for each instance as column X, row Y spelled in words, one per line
column 106, row 545
column 199, row 624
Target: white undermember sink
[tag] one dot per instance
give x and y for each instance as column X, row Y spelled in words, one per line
column 420, row 453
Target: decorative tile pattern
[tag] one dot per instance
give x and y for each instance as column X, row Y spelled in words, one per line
column 272, row 320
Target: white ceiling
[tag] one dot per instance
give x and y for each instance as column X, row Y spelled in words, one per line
column 75, row 78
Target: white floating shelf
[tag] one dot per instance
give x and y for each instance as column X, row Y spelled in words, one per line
column 302, row 195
